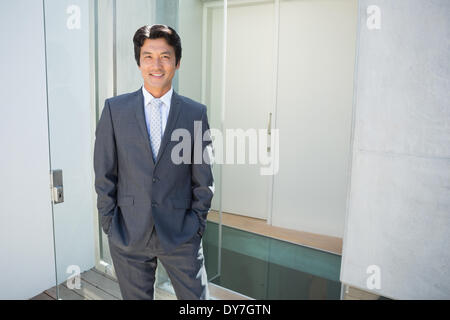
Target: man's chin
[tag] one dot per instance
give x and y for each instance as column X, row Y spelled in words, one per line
column 158, row 83
column 156, row 88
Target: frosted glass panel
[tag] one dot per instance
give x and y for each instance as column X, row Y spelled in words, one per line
column 314, row 108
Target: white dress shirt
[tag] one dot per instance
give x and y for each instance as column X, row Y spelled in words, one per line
column 165, row 108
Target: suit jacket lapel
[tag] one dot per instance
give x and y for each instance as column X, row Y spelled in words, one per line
column 175, row 107
column 138, row 104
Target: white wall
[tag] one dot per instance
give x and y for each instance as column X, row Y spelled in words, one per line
column 26, row 236
column 399, row 207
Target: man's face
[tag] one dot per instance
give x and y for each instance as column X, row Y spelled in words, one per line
column 157, row 65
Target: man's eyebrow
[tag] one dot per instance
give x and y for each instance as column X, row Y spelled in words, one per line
column 147, row 52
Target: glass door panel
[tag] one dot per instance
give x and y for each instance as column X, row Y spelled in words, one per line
column 284, row 86
column 70, row 116
column 245, row 122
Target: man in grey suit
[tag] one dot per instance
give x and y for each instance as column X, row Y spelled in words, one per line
column 151, row 206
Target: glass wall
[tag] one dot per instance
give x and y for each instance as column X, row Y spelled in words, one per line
column 289, row 81
column 277, row 79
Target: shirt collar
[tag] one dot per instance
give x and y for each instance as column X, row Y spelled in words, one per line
column 166, row 98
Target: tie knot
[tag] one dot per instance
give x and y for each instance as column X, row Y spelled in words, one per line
column 157, row 103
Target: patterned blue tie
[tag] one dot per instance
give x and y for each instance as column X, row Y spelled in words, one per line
column 155, row 126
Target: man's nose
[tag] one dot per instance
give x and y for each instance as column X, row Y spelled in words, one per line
column 156, row 62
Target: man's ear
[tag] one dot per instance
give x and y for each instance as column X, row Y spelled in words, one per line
column 178, row 65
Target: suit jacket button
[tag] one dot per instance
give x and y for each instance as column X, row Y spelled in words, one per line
column 154, row 204
column 154, row 180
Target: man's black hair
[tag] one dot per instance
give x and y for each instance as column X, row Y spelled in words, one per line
column 157, row 31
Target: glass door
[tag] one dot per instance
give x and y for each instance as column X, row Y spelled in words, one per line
column 247, row 125
column 70, row 115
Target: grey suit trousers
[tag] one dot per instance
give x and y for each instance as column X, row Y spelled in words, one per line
column 135, row 270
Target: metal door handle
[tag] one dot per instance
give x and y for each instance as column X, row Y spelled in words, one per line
column 269, row 131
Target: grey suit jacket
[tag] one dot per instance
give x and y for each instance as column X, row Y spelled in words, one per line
column 134, row 192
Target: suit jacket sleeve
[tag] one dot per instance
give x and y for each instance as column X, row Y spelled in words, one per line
column 202, row 176
column 105, row 167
